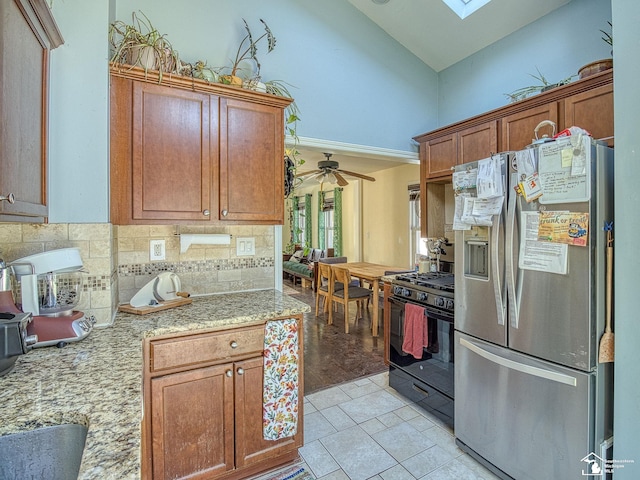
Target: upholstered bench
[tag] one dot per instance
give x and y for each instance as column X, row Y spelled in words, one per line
column 301, row 266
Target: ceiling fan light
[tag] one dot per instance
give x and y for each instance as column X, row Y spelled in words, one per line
column 331, row 178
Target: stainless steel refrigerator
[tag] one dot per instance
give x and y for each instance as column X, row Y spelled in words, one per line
column 532, row 401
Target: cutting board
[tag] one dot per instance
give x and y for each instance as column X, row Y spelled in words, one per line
column 167, row 304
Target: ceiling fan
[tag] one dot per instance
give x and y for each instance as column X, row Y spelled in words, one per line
column 329, row 171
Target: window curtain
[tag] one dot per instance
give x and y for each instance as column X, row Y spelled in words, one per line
column 308, row 237
column 295, row 228
column 321, row 242
column 337, row 222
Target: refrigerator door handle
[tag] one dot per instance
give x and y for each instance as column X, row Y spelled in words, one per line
column 501, row 306
column 512, row 296
column 520, row 367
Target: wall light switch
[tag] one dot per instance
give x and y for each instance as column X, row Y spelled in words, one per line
column 157, row 250
column 245, row 246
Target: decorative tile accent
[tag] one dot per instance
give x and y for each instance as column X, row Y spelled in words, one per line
column 194, row 266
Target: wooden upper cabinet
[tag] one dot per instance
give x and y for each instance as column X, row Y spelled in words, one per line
column 593, row 111
column 251, row 162
column 440, row 155
column 476, row 143
column 187, row 151
column 518, row 128
column 173, row 157
column 27, row 33
column 585, row 103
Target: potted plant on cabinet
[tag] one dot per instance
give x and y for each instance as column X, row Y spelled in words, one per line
column 140, row 44
column 247, row 51
column 599, row 65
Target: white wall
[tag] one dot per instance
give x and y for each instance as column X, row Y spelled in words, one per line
column 558, row 44
column 79, row 121
column 626, row 18
column 386, row 216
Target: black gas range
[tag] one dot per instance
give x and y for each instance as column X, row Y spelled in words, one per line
column 428, row 380
column 430, row 289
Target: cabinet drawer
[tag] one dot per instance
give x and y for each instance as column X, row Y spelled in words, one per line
column 207, row 347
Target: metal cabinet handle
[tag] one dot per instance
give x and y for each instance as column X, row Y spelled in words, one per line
column 11, row 198
column 240, row 371
column 229, row 373
column 233, row 344
column 224, row 213
column 206, row 213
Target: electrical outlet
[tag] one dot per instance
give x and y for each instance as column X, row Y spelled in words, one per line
column 157, row 250
column 245, row 246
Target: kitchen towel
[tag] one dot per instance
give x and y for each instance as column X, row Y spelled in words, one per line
column 416, row 336
column 280, row 387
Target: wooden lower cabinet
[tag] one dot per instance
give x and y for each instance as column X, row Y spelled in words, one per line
column 203, row 410
column 192, row 423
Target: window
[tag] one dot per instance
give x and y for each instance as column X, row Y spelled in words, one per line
column 464, row 8
column 329, row 225
column 416, row 245
column 302, row 223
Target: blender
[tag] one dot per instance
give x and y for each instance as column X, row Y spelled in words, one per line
column 50, row 289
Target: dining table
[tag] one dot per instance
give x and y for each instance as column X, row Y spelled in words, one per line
column 371, row 273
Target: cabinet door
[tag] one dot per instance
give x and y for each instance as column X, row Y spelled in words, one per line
column 518, row 128
column 192, row 423
column 440, row 155
column 477, row 142
column 24, row 77
column 593, row 111
column 172, row 164
column 251, row 447
column 251, row 162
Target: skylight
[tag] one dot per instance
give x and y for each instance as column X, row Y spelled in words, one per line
column 464, row 8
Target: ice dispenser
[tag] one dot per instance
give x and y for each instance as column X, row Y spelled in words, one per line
column 476, row 257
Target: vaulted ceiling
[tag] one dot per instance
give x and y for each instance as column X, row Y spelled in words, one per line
column 440, row 38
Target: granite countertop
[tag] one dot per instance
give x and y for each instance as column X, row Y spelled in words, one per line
column 97, row 382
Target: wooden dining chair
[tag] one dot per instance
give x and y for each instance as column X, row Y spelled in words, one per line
column 323, row 286
column 345, row 295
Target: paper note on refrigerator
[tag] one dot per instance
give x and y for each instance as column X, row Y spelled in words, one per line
column 571, row 228
column 563, row 182
column 536, row 255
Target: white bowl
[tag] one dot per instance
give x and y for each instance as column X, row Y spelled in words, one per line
column 61, row 260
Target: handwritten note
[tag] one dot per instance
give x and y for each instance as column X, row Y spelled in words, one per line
column 555, row 172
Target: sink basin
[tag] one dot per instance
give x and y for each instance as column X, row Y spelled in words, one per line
column 53, row 453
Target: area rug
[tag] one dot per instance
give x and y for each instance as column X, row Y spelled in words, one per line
column 295, row 473
column 289, row 291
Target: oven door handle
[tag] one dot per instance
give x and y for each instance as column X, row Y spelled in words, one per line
column 429, row 312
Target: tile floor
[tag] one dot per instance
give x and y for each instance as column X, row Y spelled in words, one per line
column 364, row 429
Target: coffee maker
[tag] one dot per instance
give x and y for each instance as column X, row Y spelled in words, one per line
column 50, row 285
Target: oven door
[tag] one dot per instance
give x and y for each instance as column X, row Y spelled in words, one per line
column 435, row 368
column 427, row 381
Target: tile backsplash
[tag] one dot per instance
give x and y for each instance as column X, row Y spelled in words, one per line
column 117, row 259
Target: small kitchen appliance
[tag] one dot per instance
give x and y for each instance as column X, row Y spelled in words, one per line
column 428, row 380
column 14, row 339
column 50, row 289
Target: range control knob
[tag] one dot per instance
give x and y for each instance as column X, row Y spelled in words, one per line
column 440, row 302
column 450, row 304
column 422, row 296
column 406, row 292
